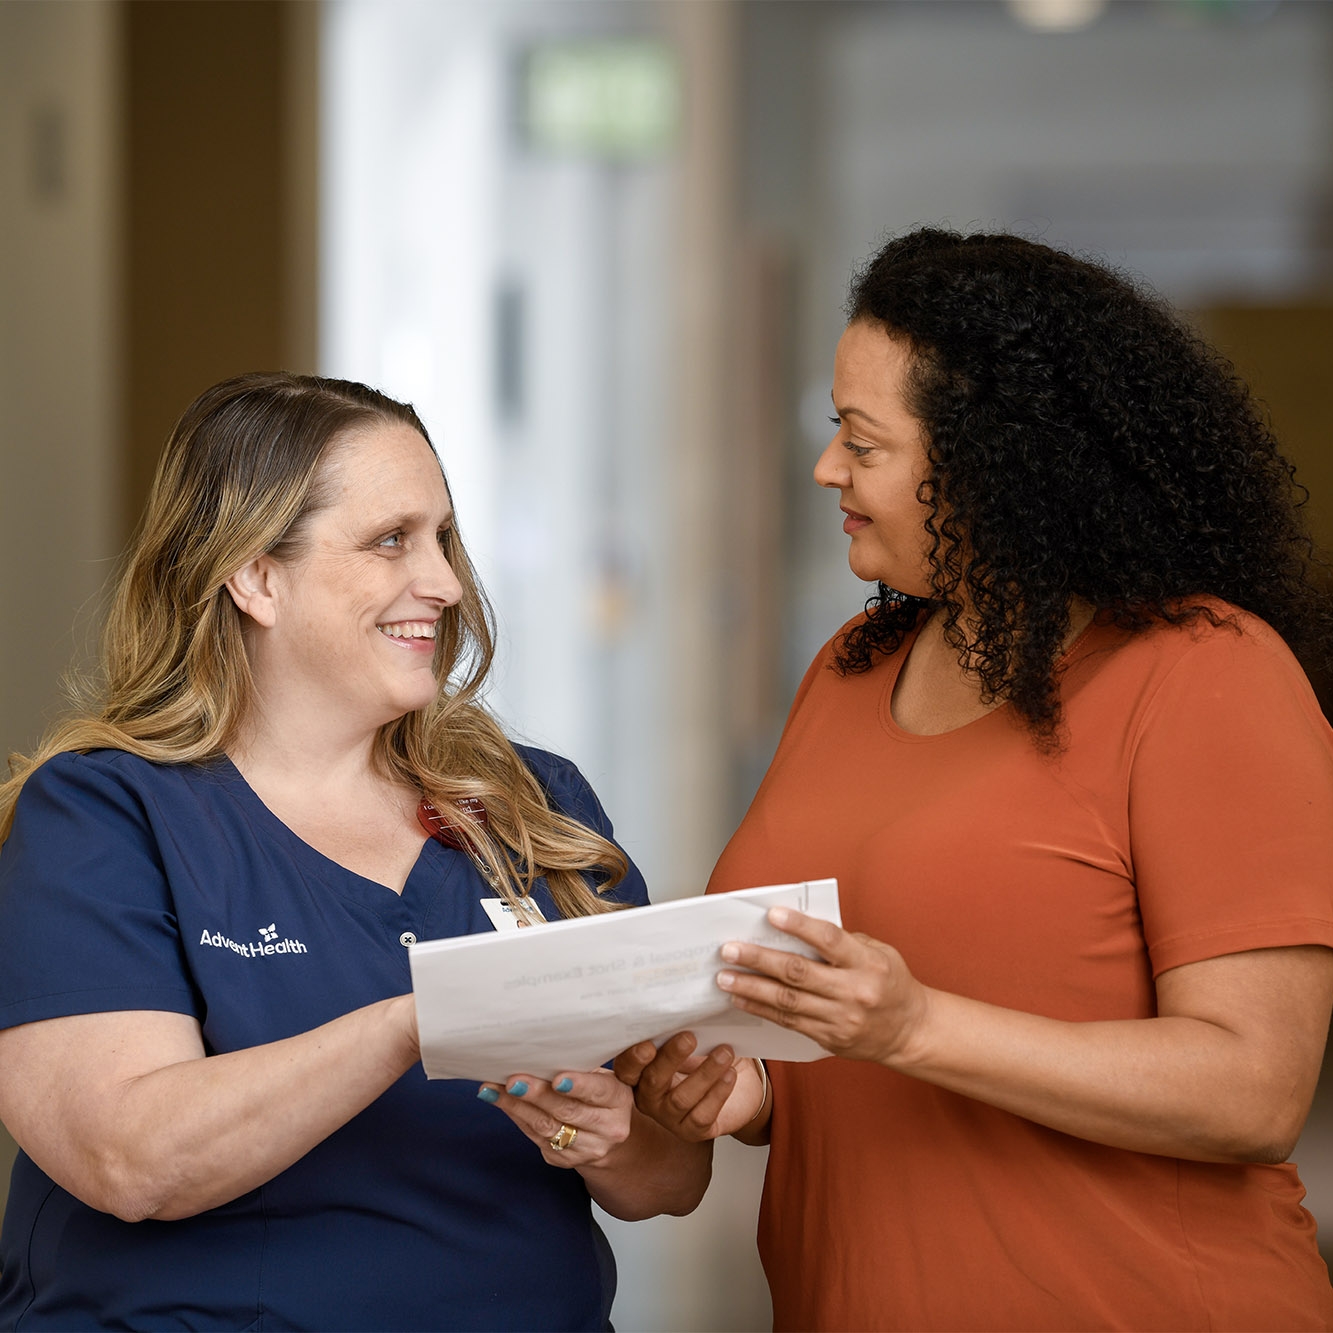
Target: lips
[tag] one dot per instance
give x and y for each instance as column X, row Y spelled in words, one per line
column 853, row 521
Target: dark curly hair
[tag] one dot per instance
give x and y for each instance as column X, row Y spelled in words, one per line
column 1085, row 442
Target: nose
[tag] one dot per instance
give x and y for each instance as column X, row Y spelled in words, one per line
column 436, row 580
column 831, row 467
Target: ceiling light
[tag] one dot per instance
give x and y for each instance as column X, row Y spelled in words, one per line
column 1056, row 15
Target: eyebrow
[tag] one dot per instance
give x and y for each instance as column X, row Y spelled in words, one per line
column 859, row 412
column 410, row 519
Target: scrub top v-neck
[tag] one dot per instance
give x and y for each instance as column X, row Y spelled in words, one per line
column 131, row 885
column 441, row 897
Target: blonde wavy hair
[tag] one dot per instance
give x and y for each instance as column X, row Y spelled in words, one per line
column 240, row 476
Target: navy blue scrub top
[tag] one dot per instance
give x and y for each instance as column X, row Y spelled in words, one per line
column 132, row 885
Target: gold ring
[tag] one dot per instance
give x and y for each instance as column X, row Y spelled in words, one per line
column 564, row 1139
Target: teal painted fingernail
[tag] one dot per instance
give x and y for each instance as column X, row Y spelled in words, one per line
column 565, row 1085
column 518, row 1089
column 488, row 1095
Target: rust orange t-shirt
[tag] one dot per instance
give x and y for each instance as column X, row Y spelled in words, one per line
column 1189, row 815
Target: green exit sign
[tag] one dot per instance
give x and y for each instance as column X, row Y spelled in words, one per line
column 614, row 98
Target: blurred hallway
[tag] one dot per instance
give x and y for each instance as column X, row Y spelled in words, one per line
column 604, row 245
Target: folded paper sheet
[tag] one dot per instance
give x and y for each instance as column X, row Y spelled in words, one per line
column 571, row 995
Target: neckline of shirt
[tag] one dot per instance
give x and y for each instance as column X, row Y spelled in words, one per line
column 362, row 887
column 1005, row 710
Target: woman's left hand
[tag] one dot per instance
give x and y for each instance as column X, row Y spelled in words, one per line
column 860, row 1001
column 588, row 1113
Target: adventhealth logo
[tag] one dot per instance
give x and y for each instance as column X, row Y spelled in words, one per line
column 268, row 943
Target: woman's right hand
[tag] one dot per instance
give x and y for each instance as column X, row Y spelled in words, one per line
column 696, row 1097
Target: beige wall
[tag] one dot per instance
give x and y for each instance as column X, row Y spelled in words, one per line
column 158, row 220
column 60, row 361
column 220, row 248
column 1284, row 354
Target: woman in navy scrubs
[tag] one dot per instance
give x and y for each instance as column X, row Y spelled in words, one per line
column 209, row 1053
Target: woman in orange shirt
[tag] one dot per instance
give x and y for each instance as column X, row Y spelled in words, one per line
column 1078, row 796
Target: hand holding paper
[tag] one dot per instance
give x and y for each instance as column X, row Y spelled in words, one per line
column 572, row 995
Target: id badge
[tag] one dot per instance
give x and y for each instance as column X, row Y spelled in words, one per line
column 504, row 917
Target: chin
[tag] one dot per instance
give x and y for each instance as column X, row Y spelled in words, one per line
column 867, row 573
column 403, row 705
column 416, row 705
column 909, row 583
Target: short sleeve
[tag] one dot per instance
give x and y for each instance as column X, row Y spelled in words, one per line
column 1231, row 802
column 86, row 915
column 572, row 794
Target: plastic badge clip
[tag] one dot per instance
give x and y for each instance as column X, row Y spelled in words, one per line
column 444, row 830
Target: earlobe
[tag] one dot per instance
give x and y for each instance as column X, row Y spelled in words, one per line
column 251, row 588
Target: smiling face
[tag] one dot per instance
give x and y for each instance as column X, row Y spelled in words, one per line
column 877, row 460
column 345, row 630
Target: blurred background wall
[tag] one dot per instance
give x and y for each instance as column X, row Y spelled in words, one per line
column 603, row 246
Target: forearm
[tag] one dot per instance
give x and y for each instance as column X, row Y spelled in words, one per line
column 651, row 1172
column 199, row 1132
column 1178, row 1086
column 1224, row 1073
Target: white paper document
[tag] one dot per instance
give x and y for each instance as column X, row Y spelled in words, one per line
column 571, row 995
